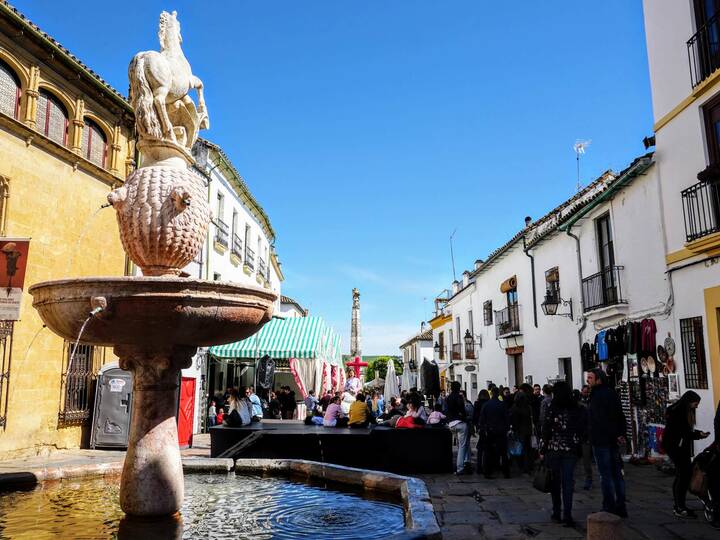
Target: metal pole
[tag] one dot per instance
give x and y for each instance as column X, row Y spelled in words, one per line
column 452, row 255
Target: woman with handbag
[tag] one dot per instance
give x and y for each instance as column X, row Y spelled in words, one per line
column 563, row 432
column 677, row 442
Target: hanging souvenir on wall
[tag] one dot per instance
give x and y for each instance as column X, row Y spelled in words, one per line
column 670, row 345
column 633, row 368
column 670, row 366
column 644, row 365
column 652, row 366
column 673, row 387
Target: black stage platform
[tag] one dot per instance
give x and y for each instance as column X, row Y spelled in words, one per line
column 405, row 451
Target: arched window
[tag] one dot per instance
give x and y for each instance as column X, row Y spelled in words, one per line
column 51, row 119
column 9, row 91
column 94, row 143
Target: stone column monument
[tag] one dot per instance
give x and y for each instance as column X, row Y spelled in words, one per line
column 355, row 349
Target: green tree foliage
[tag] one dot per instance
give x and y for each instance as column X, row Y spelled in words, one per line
column 378, row 366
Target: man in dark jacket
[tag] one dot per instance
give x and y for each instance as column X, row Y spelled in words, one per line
column 607, row 430
column 458, row 422
column 494, row 425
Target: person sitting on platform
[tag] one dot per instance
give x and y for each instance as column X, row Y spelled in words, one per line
column 255, row 404
column 348, row 398
column 334, row 416
column 437, row 418
column 359, row 413
column 212, row 414
column 311, row 403
column 412, row 418
column 375, row 404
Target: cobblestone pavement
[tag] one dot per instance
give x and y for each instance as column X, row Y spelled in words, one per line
column 473, row 507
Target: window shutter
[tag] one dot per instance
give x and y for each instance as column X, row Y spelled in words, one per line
column 51, row 119
column 94, row 143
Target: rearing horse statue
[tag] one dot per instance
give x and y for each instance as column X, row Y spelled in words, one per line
column 159, row 80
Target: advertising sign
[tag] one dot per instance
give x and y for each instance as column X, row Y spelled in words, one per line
column 13, row 262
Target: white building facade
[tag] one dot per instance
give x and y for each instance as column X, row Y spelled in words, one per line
column 238, row 248
column 415, row 350
column 684, row 77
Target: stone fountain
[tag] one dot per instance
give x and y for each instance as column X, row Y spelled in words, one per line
column 156, row 322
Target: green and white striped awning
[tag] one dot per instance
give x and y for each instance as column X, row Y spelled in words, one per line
column 294, row 337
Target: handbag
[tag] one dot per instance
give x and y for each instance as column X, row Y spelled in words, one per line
column 515, row 445
column 698, row 482
column 543, row 479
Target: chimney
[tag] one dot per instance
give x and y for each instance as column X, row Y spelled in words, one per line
column 455, row 286
column 466, row 278
column 478, row 264
column 528, row 221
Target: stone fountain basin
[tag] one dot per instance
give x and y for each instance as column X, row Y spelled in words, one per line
column 153, row 310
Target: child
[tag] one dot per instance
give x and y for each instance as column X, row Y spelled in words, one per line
column 437, row 417
column 220, row 416
column 212, row 414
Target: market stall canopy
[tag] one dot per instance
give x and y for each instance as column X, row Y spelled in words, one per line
column 294, row 337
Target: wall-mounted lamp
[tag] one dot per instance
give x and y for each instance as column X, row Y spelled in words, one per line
column 551, row 304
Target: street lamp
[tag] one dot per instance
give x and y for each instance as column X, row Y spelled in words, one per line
column 551, row 303
column 469, row 341
column 436, row 348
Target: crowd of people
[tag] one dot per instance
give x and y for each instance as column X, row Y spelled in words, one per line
column 527, row 427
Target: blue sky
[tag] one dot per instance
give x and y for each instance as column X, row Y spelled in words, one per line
column 370, row 130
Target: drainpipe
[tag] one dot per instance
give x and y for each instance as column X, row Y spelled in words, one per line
column 580, row 274
column 528, row 220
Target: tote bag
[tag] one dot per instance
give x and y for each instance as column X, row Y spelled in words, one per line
column 543, row 479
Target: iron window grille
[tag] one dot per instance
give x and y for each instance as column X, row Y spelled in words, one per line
column 488, row 313
column 262, row 269
column 693, row 345
column 704, row 51
column 457, row 351
column 603, row 289
column 78, row 383
column 9, row 91
column 701, row 210
column 6, row 338
column 507, row 321
column 221, row 232
column 237, row 246
column 249, row 258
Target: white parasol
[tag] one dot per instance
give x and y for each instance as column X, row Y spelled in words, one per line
column 391, row 382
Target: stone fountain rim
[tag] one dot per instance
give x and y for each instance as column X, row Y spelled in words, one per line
column 160, row 285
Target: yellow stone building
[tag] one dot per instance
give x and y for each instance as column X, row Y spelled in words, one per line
column 65, row 142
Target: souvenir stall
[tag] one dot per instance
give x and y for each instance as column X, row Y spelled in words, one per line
column 306, row 352
column 643, row 373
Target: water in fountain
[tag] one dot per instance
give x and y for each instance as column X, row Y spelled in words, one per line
column 215, row 506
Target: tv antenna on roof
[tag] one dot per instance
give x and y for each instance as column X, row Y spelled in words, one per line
column 579, row 148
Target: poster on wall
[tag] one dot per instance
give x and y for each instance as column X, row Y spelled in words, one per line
column 13, row 263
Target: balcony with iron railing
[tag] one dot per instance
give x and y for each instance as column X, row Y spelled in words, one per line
column 237, row 247
column 701, row 210
column 603, row 289
column 221, row 232
column 507, row 321
column 470, row 352
column 457, row 351
column 249, row 258
column 704, row 51
column 262, row 267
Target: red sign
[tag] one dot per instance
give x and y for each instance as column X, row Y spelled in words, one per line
column 13, row 263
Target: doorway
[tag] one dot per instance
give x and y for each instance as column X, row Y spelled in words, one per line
column 515, row 370
column 565, row 369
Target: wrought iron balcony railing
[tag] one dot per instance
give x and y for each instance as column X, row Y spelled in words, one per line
column 457, row 351
column 262, row 268
column 701, row 210
column 507, row 321
column 704, row 51
column 470, row 353
column 237, row 248
column 603, row 289
column 221, row 232
column 249, row 258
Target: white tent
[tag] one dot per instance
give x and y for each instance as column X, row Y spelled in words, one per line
column 377, row 382
column 391, row 382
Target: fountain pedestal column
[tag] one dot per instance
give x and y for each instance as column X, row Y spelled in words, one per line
column 152, row 478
